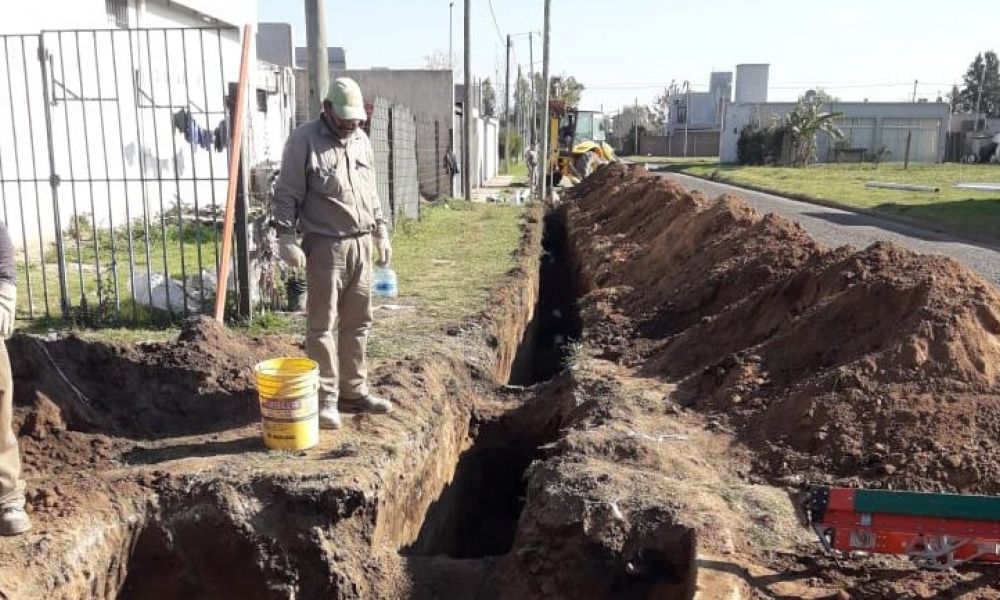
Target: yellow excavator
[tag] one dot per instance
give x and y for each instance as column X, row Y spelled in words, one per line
column 577, row 145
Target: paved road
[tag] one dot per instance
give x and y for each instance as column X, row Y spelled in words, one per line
column 834, row 227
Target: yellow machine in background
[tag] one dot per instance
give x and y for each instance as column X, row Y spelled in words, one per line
column 577, row 143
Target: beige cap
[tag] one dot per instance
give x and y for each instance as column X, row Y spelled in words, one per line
column 345, row 96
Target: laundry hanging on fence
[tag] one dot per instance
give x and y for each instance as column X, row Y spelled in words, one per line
column 222, row 136
column 197, row 135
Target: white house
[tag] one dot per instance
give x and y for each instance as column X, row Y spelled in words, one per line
column 866, row 125
column 131, row 99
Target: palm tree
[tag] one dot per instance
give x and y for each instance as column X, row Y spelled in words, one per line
column 804, row 122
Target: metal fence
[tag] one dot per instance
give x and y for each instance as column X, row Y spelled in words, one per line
column 113, row 172
column 379, row 130
column 113, row 156
column 409, row 158
column 403, row 167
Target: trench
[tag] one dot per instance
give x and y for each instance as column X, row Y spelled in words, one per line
column 555, row 325
column 194, row 548
column 477, row 514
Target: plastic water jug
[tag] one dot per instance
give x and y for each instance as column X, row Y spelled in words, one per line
column 385, row 285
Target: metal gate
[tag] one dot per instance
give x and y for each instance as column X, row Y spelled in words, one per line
column 113, row 154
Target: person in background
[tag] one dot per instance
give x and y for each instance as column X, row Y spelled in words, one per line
column 326, row 189
column 13, row 518
column 531, row 161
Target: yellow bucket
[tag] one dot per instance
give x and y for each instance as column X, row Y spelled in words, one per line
column 289, row 407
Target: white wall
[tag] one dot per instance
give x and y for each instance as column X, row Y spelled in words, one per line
column 751, row 83
column 868, row 124
column 58, row 14
column 99, row 132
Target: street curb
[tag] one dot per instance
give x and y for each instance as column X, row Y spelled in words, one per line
column 936, row 228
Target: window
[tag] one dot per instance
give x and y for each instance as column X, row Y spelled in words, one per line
column 117, row 11
column 262, row 101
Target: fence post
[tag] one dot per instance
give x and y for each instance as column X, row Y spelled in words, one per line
column 54, row 182
column 437, row 157
column 244, row 307
column 392, row 168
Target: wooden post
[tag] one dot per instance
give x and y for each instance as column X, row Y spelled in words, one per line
column 235, row 148
column 906, row 160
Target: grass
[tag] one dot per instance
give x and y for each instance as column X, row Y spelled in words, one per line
column 517, row 169
column 107, row 263
column 963, row 212
column 447, row 265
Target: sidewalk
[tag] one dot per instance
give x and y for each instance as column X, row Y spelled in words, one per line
column 501, row 188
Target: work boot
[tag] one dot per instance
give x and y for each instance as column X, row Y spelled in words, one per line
column 13, row 518
column 329, row 416
column 367, row 403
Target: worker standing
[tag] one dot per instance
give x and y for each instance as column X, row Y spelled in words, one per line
column 13, row 519
column 531, row 161
column 326, row 190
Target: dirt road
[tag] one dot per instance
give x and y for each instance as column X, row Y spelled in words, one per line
column 834, row 227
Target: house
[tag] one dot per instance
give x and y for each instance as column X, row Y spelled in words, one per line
column 136, row 96
column 867, row 126
column 969, row 141
column 700, row 110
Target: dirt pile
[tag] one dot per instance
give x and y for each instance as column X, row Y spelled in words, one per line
column 879, row 365
column 77, row 401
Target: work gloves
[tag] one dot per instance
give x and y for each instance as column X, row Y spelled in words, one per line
column 8, row 302
column 383, row 246
column 290, row 251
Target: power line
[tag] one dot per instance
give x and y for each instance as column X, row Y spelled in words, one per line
column 496, row 25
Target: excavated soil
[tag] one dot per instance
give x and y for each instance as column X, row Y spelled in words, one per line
column 630, row 417
column 877, row 366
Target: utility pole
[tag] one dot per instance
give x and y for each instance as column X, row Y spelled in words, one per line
column 467, row 108
column 636, row 125
column 451, row 111
column 519, row 109
column 915, row 82
column 531, row 74
column 319, row 70
column 687, row 116
column 506, row 110
column 979, row 93
column 545, row 96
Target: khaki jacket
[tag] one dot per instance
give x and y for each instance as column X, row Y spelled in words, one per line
column 326, row 185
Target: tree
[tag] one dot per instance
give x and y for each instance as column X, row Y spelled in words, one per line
column 825, row 97
column 630, row 118
column 805, row 121
column 489, row 99
column 437, row 60
column 567, row 89
column 982, row 75
column 660, row 110
column 955, row 99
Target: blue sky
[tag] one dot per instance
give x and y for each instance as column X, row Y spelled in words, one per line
column 856, row 49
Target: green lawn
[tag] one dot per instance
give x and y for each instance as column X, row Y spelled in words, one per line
column 447, row 265
column 964, row 212
column 517, row 169
column 167, row 253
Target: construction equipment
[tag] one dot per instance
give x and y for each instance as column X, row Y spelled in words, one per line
column 577, row 144
column 937, row 531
